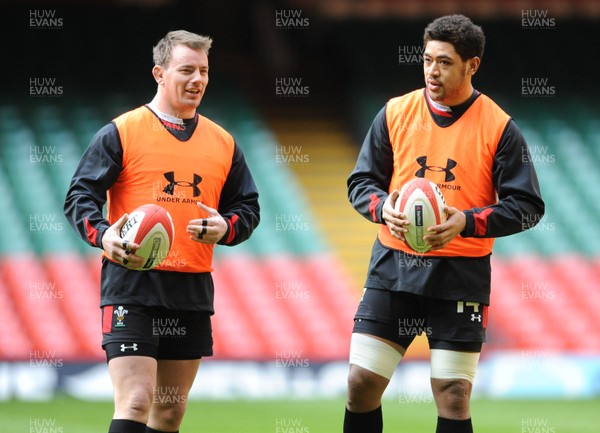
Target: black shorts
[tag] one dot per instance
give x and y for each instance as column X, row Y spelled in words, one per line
column 156, row 332
column 401, row 316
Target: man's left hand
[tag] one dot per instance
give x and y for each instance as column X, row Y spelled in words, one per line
column 440, row 235
column 207, row 230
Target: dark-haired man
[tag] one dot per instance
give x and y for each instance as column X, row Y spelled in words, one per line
column 458, row 138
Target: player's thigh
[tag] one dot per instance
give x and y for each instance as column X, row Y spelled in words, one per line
column 395, row 317
column 372, row 364
column 133, row 379
column 456, row 325
column 176, row 377
column 183, row 335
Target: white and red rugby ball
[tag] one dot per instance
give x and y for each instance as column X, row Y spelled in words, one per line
column 424, row 206
column 151, row 227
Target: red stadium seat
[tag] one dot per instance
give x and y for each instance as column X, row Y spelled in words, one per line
column 546, row 303
column 14, row 341
column 80, row 303
column 37, row 300
column 288, row 306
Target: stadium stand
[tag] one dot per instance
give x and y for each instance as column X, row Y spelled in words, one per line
column 288, row 288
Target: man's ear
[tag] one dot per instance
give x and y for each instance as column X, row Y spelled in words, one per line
column 157, row 73
column 473, row 65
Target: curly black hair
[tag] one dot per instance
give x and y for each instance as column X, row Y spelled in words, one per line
column 467, row 38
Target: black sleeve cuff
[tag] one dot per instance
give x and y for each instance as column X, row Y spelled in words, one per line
column 379, row 211
column 470, row 224
column 225, row 237
column 100, row 236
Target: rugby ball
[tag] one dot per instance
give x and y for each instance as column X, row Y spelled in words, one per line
column 151, row 227
column 424, row 206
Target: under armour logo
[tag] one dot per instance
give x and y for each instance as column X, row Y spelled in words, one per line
column 450, row 164
column 133, row 346
column 170, row 176
column 475, row 317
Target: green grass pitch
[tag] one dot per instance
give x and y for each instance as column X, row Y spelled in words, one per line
column 66, row 415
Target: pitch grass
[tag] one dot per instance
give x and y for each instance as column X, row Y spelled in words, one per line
column 66, row 415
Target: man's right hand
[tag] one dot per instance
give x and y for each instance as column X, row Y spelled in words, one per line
column 118, row 249
column 396, row 221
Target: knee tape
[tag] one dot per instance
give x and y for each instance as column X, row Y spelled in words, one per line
column 373, row 355
column 450, row 364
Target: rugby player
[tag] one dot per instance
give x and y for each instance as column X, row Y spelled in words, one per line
column 458, row 138
column 156, row 324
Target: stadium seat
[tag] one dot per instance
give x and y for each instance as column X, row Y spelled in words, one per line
column 36, row 299
column 14, row 341
column 80, row 302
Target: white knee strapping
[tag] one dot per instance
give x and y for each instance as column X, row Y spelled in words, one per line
column 373, row 355
column 450, row 364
